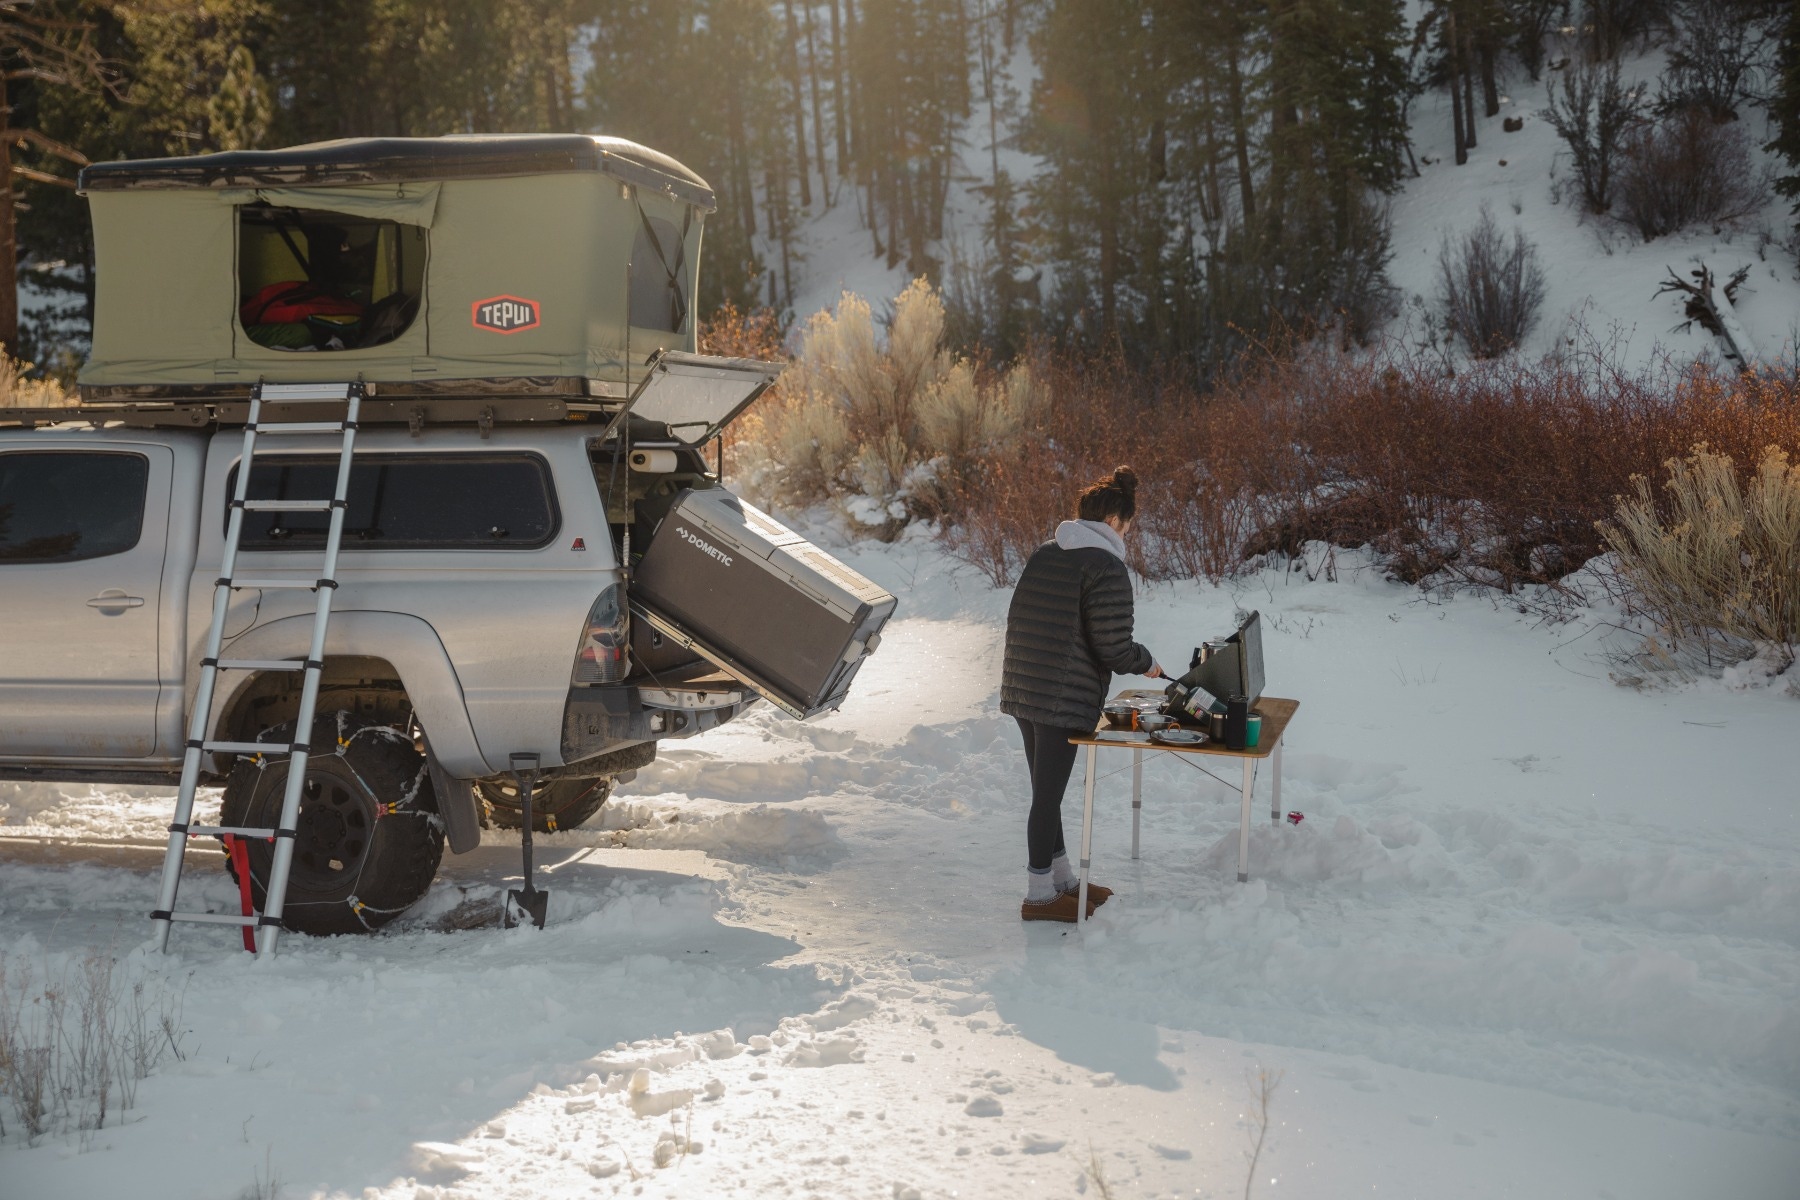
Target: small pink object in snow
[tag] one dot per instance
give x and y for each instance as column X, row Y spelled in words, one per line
column 1295, row 816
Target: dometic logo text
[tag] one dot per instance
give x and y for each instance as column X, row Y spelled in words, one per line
column 505, row 314
column 703, row 546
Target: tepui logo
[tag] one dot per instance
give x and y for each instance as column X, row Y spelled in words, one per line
column 505, row 314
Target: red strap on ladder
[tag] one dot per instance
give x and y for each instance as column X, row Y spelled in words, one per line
column 239, row 850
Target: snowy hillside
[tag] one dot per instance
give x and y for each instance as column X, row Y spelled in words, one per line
column 1602, row 279
column 1535, row 935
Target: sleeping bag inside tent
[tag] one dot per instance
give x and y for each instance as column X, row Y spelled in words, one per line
column 535, row 263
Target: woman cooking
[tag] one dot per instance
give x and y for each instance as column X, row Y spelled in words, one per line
column 1067, row 633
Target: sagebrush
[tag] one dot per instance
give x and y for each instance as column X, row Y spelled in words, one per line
column 1714, row 559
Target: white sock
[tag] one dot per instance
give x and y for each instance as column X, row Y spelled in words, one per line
column 1062, row 874
column 1039, row 887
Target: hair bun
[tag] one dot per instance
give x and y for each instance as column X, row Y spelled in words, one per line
column 1125, row 479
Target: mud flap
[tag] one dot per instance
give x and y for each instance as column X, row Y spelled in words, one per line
column 456, row 805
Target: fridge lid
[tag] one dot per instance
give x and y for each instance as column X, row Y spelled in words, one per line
column 696, row 395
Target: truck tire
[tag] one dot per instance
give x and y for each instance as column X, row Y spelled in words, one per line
column 368, row 838
column 556, row 804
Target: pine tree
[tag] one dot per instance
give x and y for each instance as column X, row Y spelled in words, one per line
column 1784, row 110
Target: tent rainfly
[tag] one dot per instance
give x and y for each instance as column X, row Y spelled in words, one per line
column 468, row 265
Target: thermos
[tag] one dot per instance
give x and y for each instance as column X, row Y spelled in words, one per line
column 1237, row 722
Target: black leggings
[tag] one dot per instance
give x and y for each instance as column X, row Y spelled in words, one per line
column 1050, row 759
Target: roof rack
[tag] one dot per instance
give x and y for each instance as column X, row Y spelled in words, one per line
column 415, row 412
column 691, row 396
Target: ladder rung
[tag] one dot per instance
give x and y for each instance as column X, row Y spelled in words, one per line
column 216, row 830
column 216, row 918
column 272, row 427
column 288, row 505
column 247, row 747
column 302, row 585
column 260, row 664
column 288, row 393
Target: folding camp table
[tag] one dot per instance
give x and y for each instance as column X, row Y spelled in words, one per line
column 1275, row 714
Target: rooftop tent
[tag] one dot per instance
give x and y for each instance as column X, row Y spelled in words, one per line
column 457, row 265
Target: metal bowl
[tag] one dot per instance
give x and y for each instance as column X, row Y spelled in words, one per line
column 1119, row 715
column 1154, row 722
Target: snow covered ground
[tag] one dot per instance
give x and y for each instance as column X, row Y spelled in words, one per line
column 1536, row 936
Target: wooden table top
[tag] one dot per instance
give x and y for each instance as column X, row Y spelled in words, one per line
column 1274, row 711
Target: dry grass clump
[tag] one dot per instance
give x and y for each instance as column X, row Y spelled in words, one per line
column 1715, row 560
column 76, row 1038
column 18, row 390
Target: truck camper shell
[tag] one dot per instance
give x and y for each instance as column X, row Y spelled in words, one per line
column 546, row 266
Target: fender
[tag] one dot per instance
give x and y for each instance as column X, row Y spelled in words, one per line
column 409, row 643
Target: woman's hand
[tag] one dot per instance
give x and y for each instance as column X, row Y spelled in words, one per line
column 1155, row 672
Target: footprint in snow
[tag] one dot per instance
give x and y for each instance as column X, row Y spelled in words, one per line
column 983, row 1106
column 1037, row 1143
column 1172, row 1152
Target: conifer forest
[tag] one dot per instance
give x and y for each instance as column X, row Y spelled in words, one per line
column 1205, row 169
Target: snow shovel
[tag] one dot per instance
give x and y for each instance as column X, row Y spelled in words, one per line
column 528, row 901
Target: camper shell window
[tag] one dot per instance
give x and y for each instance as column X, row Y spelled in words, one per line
column 309, row 279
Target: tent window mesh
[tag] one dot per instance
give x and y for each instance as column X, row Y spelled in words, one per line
column 315, row 280
column 658, row 277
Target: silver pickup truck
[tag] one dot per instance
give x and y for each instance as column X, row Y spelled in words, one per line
column 481, row 611
column 529, row 561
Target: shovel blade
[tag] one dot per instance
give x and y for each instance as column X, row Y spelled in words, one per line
column 530, row 903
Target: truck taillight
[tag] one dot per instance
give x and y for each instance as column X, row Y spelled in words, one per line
column 601, row 656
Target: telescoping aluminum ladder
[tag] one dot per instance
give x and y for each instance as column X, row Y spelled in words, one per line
column 267, row 924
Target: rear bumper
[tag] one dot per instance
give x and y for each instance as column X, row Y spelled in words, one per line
column 597, row 720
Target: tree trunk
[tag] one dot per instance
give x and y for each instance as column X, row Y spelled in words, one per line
column 1490, row 83
column 1468, row 79
column 1456, row 105
column 798, row 104
column 818, row 110
column 838, row 93
column 9, row 249
column 1240, row 131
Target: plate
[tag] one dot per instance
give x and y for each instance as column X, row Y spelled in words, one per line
column 1176, row 736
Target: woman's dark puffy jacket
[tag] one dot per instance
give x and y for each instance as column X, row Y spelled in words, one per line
column 1067, row 633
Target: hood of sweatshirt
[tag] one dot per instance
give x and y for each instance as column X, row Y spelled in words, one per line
column 1097, row 535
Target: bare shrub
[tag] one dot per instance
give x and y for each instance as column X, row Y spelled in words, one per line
column 1491, row 291
column 1688, row 170
column 1592, row 112
column 1715, row 561
column 1493, row 477
column 76, row 1037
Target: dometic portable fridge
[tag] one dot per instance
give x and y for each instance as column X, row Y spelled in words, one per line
column 759, row 600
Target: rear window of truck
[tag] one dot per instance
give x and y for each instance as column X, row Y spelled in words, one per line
column 68, row 505
column 406, row 502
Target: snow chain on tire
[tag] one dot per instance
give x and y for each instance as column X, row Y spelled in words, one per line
column 368, row 798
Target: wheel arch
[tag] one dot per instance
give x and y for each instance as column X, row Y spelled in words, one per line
column 365, row 652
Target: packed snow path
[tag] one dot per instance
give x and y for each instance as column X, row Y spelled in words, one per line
column 1535, row 936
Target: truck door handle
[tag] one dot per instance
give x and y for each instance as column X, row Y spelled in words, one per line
column 114, row 601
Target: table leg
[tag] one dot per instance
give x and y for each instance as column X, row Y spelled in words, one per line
column 1275, row 803
column 1244, row 824
column 1087, row 834
column 1137, row 796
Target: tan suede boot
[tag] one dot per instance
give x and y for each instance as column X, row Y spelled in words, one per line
column 1097, row 895
column 1062, row 907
